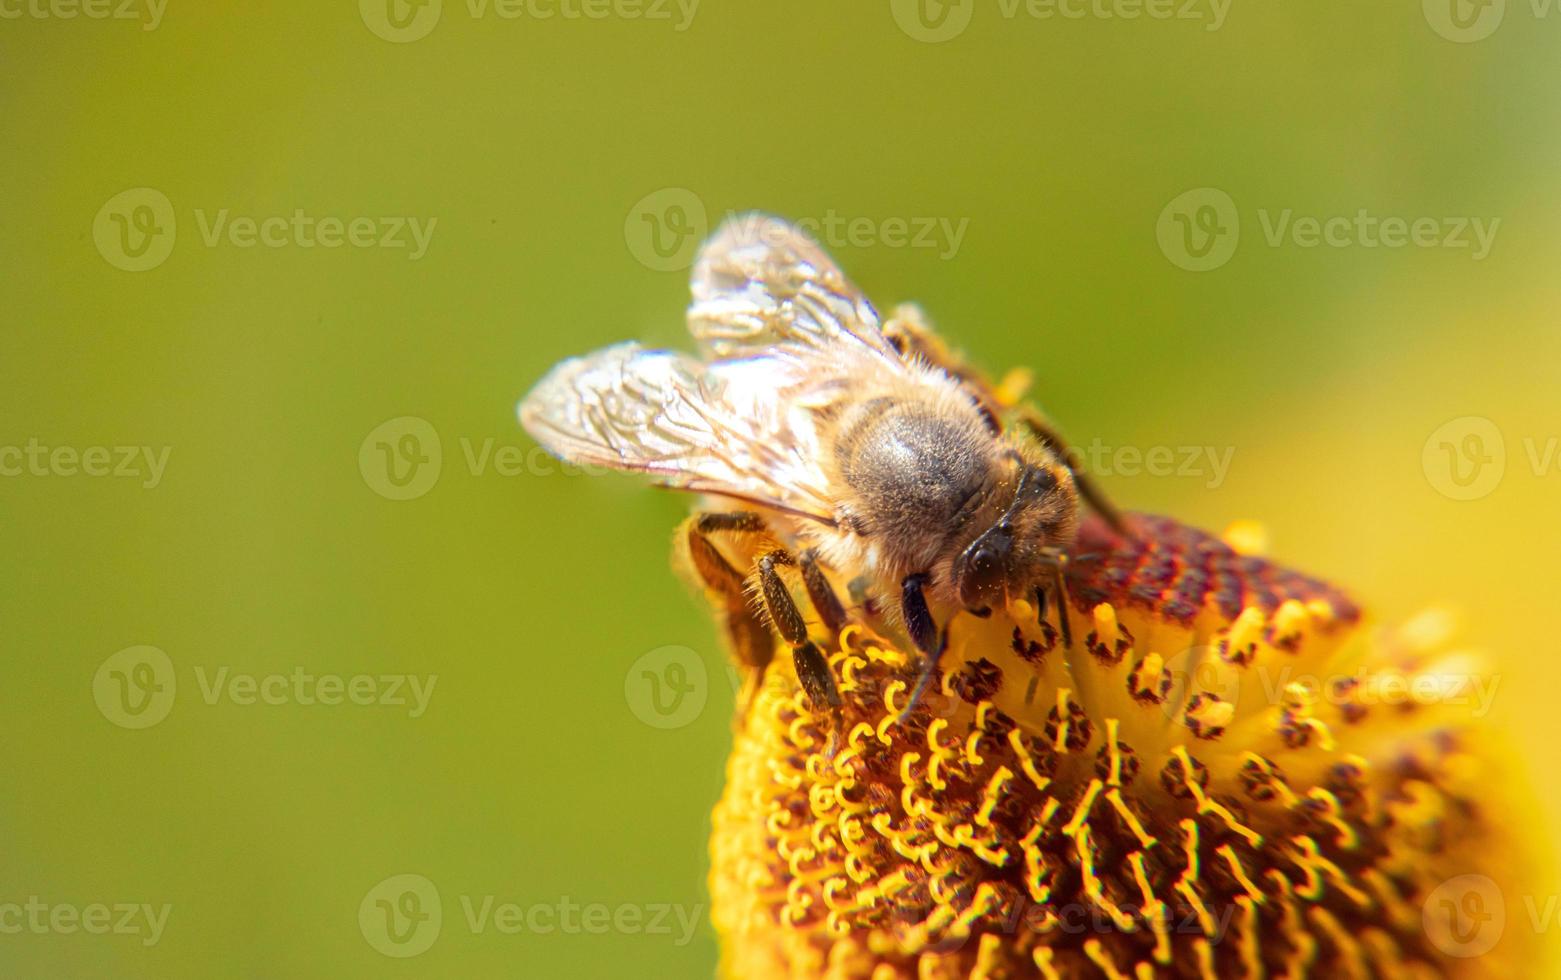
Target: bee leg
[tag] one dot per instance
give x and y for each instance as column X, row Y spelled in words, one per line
column 1054, row 561
column 821, row 594
column 711, row 522
column 812, row 667
column 1088, row 489
column 749, row 638
column 923, row 632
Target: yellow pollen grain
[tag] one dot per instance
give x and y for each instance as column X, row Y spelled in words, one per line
column 1060, row 744
column 1229, row 854
column 1246, row 942
column 1152, row 909
column 1247, row 537
column 994, row 789
column 1245, row 632
column 1351, row 963
column 1096, row 951
column 1205, row 920
column 1026, row 763
column 988, row 958
column 1011, row 389
column 1114, row 796
column 1081, row 812
column 1347, row 838
column 1114, row 777
column 1094, row 888
column 972, row 757
column 1203, row 952
column 848, row 668
column 1044, row 957
column 1311, row 861
column 1105, row 616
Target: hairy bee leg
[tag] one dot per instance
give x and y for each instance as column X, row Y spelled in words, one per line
column 821, row 594
column 748, row 636
column 1054, row 561
column 1088, row 489
column 812, row 667
column 924, row 634
column 918, row 618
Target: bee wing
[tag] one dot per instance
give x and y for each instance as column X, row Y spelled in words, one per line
column 722, row 429
column 760, row 283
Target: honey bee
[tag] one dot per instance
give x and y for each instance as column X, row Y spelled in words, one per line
column 866, row 452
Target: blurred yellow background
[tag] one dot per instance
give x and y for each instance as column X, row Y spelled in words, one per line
column 1024, row 177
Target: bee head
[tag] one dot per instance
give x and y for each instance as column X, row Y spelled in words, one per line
column 1000, row 562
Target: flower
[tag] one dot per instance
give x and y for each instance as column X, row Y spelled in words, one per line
column 1228, row 774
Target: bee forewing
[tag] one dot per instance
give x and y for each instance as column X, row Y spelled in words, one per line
column 722, row 429
column 760, row 282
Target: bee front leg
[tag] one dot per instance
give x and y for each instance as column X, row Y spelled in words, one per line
column 923, row 632
column 821, row 594
column 1054, row 561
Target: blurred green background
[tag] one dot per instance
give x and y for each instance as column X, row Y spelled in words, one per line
column 567, row 166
